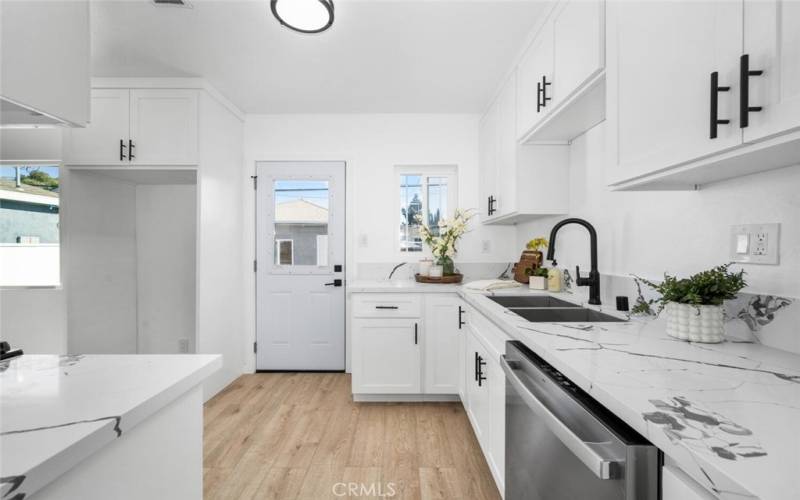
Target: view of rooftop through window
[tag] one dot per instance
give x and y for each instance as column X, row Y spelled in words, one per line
column 29, row 225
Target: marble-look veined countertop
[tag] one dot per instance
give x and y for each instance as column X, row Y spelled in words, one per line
column 56, row 411
column 400, row 286
column 727, row 413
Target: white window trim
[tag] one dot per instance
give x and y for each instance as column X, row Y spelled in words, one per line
column 448, row 171
column 278, row 242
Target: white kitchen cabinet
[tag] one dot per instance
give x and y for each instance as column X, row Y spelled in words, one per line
column 45, row 62
column 662, row 130
column 497, row 419
column 386, row 356
column 534, row 69
column 163, row 126
column 561, row 92
column 477, row 390
column 444, row 314
column 105, row 140
column 662, row 55
column 519, row 182
column 137, row 127
column 772, row 42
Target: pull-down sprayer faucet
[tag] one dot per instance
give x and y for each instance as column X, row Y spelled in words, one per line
column 593, row 281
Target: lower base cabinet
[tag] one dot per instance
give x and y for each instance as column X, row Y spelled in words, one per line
column 386, row 356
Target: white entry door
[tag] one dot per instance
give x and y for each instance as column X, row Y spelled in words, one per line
column 300, row 238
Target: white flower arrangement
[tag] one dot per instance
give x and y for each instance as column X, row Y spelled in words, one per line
column 443, row 246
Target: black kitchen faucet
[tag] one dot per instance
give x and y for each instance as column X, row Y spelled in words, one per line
column 593, row 281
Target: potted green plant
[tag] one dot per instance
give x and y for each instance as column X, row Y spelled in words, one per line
column 694, row 304
column 531, row 258
column 537, row 278
column 442, row 242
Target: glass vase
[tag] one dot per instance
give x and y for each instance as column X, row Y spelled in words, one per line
column 448, row 266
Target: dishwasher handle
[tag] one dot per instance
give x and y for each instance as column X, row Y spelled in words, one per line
column 602, row 467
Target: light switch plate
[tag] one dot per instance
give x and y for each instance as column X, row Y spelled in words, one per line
column 755, row 243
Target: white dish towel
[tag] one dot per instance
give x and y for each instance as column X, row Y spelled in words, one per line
column 490, row 285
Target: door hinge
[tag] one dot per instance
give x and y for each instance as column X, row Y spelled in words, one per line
column 255, row 266
column 255, row 346
column 255, row 181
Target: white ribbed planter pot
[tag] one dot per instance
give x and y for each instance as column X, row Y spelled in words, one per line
column 695, row 323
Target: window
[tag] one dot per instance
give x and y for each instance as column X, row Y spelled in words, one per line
column 301, row 222
column 427, row 194
column 29, row 226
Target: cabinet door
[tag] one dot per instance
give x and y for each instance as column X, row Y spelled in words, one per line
column 497, row 419
column 536, row 63
column 164, row 126
column 578, row 46
column 477, row 390
column 386, row 356
column 99, row 142
column 507, row 148
column 772, row 40
column 487, row 140
column 660, row 59
column 442, row 332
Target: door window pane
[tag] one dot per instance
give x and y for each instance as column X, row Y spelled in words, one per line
column 301, row 222
column 29, row 226
column 410, row 208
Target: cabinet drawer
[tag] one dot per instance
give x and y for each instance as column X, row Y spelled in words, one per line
column 387, row 305
column 488, row 333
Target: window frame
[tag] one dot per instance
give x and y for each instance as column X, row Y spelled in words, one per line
column 63, row 181
column 448, row 171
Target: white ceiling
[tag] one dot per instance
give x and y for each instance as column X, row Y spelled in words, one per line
column 410, row 56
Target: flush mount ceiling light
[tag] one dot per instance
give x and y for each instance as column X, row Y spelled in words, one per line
column 304, row 16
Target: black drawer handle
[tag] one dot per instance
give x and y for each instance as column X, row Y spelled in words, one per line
column 744, row 93
column 416, row 333
column 541, row 93
column 121, row 150
column 461, row 321
column 481, row 376
column 386, row 307
column 131, row 145
column 714, row 120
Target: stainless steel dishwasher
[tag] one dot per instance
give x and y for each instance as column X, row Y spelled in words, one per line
column 563, row 445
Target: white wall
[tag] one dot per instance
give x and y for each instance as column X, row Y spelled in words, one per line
column 647, row 233
column 34, row 320
column 220, row 288
column 372, row 145
column 166, row 220
column 99, row 237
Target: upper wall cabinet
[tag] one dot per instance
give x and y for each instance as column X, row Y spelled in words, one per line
column 44, row 62
column 701, row 91
column 137, row 127
column 560, row 87
column 518, row 182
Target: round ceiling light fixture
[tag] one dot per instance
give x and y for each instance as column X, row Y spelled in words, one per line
column 304, row 16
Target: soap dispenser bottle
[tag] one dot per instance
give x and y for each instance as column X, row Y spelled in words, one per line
column 554, row 278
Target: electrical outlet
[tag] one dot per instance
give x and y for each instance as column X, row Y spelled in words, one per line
column 183, row 346
column 755, row 243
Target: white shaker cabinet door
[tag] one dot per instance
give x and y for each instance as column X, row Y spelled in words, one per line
column 477, row 390
column 660, row 59
column 487, row 146
column 579, row 50
column 772, row 43
column 535, row 69
column 164, row 126
column 386, row 356
column 104, row 141
column 443, row 330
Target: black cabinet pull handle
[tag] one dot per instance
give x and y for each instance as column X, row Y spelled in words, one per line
column 416, row 333
column 336, row 282
column 744, row 93
column 386, row 307
column 714, row 120
column 461, row 321
column 492, row 201
column 121, row 150
column 131, row 145
column 541, row 102
column 476, row 366
column 481, row 376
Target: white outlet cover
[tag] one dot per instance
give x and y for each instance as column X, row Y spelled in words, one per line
column 764, row 244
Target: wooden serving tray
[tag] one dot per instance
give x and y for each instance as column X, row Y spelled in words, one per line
column 449, row 279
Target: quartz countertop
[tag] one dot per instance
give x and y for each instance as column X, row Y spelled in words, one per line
column 400, row 286
column 56, row 411
column 727, row 413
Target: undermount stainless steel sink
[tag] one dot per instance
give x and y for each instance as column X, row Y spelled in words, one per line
column 564, row 315
column 530, row 301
